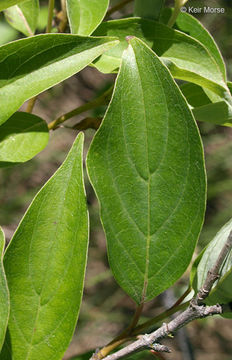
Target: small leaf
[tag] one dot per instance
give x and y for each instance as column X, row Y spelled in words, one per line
column 4, row 294
column 180, row 52
column 7, row 33
column 146, row 166
column 30, row 66
column 219, row 112
column 85, row 15
column 21, row 138
column 222, row 290
column 24, row 16
column 45, row 265
column 4, row 4
column 191, row 26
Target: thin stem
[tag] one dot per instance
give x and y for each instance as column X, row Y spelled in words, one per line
column 139, row 329
column 121, row 338
column 181, row 299
column 30, row 104
column 50, row 15
column 64, row 20
column 32, row 101
column 118, row 7
column 176, row 11
column 102, row 99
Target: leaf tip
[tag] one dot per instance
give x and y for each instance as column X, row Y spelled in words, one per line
column 129, row 38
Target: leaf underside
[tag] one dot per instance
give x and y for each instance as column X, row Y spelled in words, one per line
column 22, row 137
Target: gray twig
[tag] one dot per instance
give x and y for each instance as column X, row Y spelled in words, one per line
column 196, row 310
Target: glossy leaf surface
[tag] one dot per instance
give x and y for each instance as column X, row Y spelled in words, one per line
column 22, row 137
column 49, row 247
column 30, row 66
column 24, row 16
column 4, row 4
column 222, row 290
column 4, row 293
column 191, row 26
column 85, row 15
column 146, row 165
column 180, row 52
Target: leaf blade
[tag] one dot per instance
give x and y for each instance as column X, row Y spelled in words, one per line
column 4, row 294
column 191, row 26
column 137, row 208
column 50, row 248
column 179, row 51
column 22, row 137
column 85, row 15
column 23, row 17
column 30, row 66
column 4, row 4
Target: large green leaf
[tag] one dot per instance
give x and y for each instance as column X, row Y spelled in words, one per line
column 24, row 16
column 4, row 4
column 219, row 112
column 85, row 15
column 191, row 26
column 45, row 265
column 30, row 66
column 222, row 290
column 4, row 294
column 21, row 138
column 146, row 165
column 180, row 52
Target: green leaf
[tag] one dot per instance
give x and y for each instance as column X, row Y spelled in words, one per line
column 219, row 112
column 4, row 294
column 30, row 66
column 191, row 26
column 7, row 33
column 45, row 265
column 146, row 165
column 85, row 15
column 24, row 16
column 222, row 290
column 149, row 9
column 180, row 52
column 21, row 138
column 4, row 4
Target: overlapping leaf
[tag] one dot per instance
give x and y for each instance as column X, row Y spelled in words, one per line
column 146, row 165
column 191, row 26
column 4, row 4
column 180, row 52
column 4, row 294
column 148, row 8
column 219, row 112
column 222, row 290
column 22, row 137
column 24, row 16
column 45, row 266
column 30, row 66
column 85, row 15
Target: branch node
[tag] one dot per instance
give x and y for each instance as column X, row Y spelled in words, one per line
column 160, row 348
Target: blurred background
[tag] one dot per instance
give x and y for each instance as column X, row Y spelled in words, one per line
column 106, row 309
